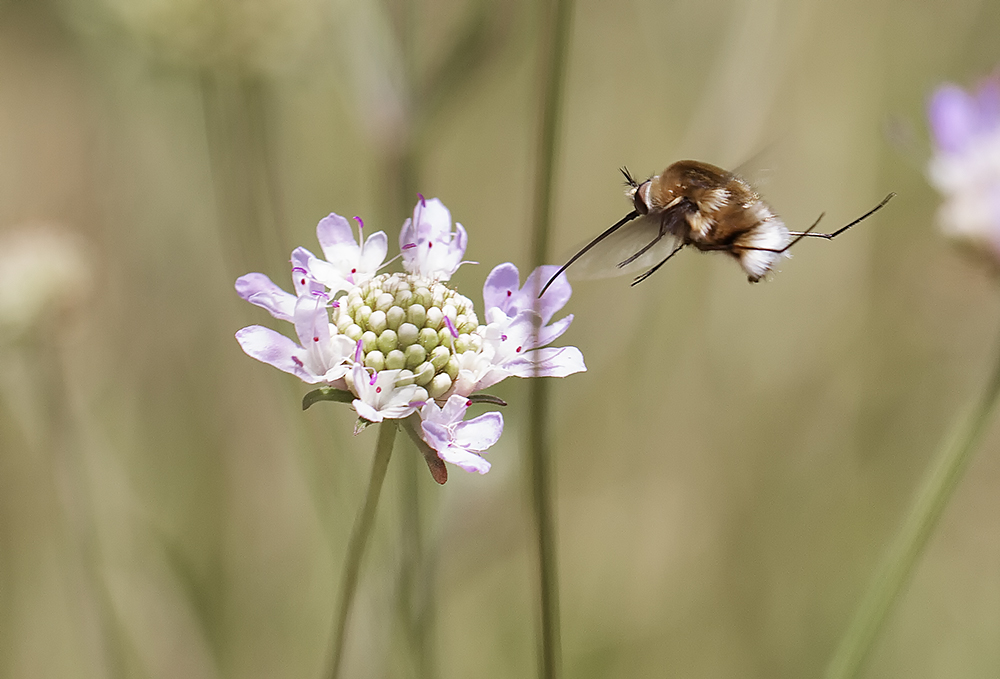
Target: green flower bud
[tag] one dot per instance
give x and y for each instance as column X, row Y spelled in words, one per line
column 417, row 315
column 423, row 373
column 434, row 318
column 354, row 302
column 462, row 343
column 395, row 359
column 467, row 325
column 420, row 394
column 408, row 334
column 369, row 341
column 404, row 297
column 377, row 322
column 394, row 317
column 405, row 377
column 375, row 360
column 445, row 338
column 415, row 355
column 439, row 357
column 451, row 312
column 452, row 368
column 388, row 341
column 354, row 331
column 428, row 339
column 362, row 315
column 439, row 385
column 343, row 321
column 384, row 301
column 423, row 296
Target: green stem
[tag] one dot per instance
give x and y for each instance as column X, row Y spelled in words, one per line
column 553, row 50
column 359, row 540
column 904, row 553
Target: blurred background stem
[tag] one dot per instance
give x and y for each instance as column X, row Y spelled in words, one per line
column 904, row 554
column 359, row 540
column 553, row 47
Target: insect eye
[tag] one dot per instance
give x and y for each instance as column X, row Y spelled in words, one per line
column 640, row 202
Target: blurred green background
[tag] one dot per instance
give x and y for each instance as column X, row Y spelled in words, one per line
column 728, row 471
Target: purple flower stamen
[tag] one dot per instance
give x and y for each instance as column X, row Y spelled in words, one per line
column 297, row 361
column 361, row 224
column 451, row 327
column 374, row 378
column 409, row 246
column 357, row 353
column 423, row 203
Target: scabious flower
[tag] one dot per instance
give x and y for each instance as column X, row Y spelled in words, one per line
column 399, row 344
column 966, row 163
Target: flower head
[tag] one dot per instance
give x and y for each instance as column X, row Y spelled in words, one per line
column 406, row 342
column 966, row 164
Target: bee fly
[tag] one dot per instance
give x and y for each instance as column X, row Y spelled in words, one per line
column 697, row 204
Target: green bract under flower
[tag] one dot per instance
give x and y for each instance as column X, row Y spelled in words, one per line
column 409, row 323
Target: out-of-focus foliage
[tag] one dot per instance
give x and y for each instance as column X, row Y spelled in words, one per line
column 728, row 470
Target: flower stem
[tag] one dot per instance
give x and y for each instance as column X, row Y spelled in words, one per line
column 553, row 51
column 359, row 540
column 904, row 553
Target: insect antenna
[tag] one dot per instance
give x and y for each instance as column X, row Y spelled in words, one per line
column 628, row 178
column 614, row 227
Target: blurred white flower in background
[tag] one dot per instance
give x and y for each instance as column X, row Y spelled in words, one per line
column 966, row 163
column 256, row 35
column 45, row 270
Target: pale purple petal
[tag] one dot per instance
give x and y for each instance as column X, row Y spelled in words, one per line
column 479, row 433
column 303, row 277
column 547, row 362
column 329, row 275
column 493, row 376
column 429, row 246
column 501, row 285
column 258, row 289
column 436, row 435
column 953, row 117
column 366, row 411
column 553, row 300
column 335, row 235
column 453, row 410
column 312, row 323
column 553, row 331
column 275, row 349
column 374, row 253
column 464, row 459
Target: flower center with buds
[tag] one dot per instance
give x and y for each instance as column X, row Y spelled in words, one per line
column 409, row 323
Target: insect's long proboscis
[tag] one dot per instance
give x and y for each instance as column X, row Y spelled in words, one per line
column 614, row 227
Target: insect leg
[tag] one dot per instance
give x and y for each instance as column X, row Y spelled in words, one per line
column 799, row 235
column 640, row 278
column 645, row 248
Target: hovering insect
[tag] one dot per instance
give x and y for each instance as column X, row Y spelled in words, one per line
column 697, row 204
